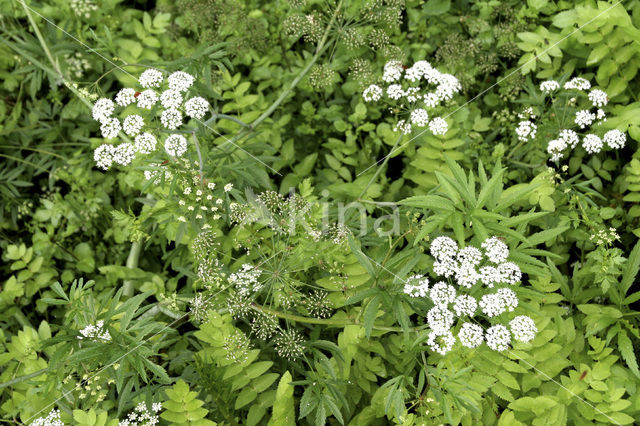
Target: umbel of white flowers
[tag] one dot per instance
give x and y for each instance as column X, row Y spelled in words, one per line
column 407, row 90
column 469, row 267
column 592, row 113
column 166, row 103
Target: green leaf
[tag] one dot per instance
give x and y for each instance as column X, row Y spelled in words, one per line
column 370, row 313
column 245, row 397
column 436, row 7
column 625, row 346
column 283, row 407
column 362, row 258
column 631, row 268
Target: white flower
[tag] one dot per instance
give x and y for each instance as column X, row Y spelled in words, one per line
column 228, row 187
column 442, row 293
column 171, row 98
column 495, row 250
column 126, row 97
column 440, row 318
column 510, row 273
column 465, row 305
column 526, row 130
column 95, row 332
column 598, row 98
column 124, row 154
column 150, row 78
column 578, row 83
column 145, row 143
column 419, row 117
column 180, row 81
column 211, row 185
column 443, row 247
column 523, row 328
column 432, row 76
column 509, row 298
column 413, row 74
column 403, row 127
column 592, row 144
column 549, row 86
column 147, row 99
column 422, row 67
column 570, row 137
column 395, row 92
column 447, row 267
column 555, row 148
column 444, row 92
column 498, row 338
column 412, row 94
column 392, row 71
column 156, row 176
column 171, row 118
column 103, row 156
column 132, row 124
column 246, row 280
column 470, row 335
column 615, row 139
column 372, row 93
column 492, row 305
column 52, row 419
column 466, row 275
column 438, row 126
column 102, row 109
column 110, row 128
column 196, row 107
column 470, row 255
column 416, row 286
column 601, row 115
column 431, row 100
column 490, row 276
column 156, row 406
column 584, row 118
column 448, row 83
column 441, row 341
column 175, row 145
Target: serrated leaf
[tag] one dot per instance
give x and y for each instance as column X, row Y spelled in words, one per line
column 625, row 346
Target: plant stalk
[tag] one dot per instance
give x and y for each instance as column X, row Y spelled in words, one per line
column 334, row 322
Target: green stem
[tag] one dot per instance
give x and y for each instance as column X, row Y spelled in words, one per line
column 215, row 116
column 334, row 322
column 132, row 263
column 23, row 378
column 195, row 142
column 41, row 40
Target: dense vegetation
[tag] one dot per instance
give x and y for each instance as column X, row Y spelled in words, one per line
column 371, row 212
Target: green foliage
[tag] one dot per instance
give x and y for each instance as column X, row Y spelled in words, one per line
column 183, row 407
column 328, row 336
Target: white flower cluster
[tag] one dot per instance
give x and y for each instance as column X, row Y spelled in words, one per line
column 584, row 118
column 141, row 416
column 95, row 332
column 526, row 130
column 417, row 286
column 52, row 419
column 411, row 94
column 246, row 280
column 175, row 104
column 468, row 266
